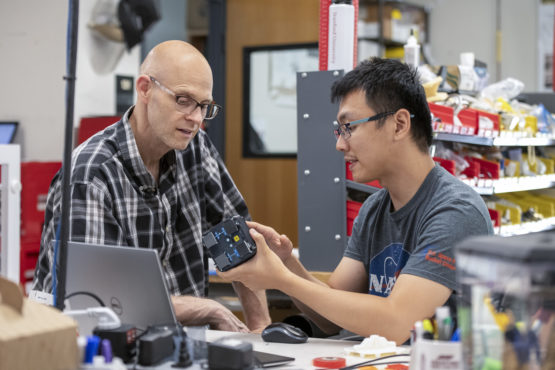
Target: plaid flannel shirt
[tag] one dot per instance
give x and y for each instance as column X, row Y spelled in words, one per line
column 115, row 201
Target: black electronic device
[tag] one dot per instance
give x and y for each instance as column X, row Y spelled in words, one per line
column 122, row 340
column 281, row 332
column 155, row 345
column 229, row 243
column 230, row 354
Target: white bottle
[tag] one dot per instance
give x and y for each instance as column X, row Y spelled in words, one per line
column 341, row 36
column 412, row 51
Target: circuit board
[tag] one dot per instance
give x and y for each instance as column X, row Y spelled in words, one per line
column 229, row 243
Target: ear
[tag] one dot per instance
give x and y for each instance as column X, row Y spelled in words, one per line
column 402, row 124
column 142, row 86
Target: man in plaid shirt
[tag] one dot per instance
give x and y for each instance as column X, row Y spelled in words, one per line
column 154, row 180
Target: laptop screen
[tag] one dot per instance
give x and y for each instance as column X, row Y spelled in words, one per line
column 129, row 280
column 7, row 132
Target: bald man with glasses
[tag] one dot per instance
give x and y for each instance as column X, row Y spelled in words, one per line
column 399, row 264
column 154, row 180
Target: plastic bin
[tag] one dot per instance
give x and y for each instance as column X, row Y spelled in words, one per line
column 507, row 301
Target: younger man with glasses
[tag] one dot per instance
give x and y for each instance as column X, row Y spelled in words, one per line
column 154, row 180
column 399, row 264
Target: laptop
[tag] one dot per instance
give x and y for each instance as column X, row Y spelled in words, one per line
column 264, row 359
column 129, row 280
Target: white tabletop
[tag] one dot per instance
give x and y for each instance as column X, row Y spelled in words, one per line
column 303, row 353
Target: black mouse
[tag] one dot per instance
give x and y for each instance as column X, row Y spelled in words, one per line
column 281, row 332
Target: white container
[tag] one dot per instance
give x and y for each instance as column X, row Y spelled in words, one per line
column 341, row 36
column 412, row 51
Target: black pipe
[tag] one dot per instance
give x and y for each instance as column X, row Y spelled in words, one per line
column 71, row 61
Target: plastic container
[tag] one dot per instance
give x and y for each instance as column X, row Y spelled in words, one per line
column 341, row 38
column 412, row 51
column 507, row 301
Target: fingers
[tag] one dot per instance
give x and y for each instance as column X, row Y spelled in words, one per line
column 257, row 237
column 286, row 241
column 269, row 233
column 226, row 320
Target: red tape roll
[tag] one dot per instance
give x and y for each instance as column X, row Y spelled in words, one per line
column 329, row 362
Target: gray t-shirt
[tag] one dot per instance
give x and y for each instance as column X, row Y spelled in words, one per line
column 417, row 239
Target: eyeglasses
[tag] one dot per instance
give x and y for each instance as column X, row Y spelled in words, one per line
column 345, row 129
column 186, row 104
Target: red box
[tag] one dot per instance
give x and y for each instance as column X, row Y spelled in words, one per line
column 495, row 216
column 35, row 181
column 352, row 212
column 448, row 164
column 488, row 169
column 88, row 126
column 488, row 124
column 469, row 120
column 473, row 170
column 28, row 262
column 442, row 117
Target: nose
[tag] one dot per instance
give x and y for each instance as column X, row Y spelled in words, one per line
column 341, row 144
column 196, row 115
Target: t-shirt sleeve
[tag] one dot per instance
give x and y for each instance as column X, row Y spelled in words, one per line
column 358, row 247
column 446, row 226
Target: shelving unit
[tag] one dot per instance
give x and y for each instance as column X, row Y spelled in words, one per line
column 510, row 184
column 323, row 186
column 385, row 25
column 497, row 141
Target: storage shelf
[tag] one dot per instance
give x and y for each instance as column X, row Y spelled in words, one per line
column 490, row 141
column 361, row 187
column 386, row 42
column 512, row 184
column 526, row 227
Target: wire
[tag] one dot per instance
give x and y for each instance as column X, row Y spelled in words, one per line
column 373, row 362
column 54, row 265
column 92, row 295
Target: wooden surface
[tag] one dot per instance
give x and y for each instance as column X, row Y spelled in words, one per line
column 269, row 186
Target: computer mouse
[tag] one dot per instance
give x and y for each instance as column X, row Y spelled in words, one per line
column 281, row 332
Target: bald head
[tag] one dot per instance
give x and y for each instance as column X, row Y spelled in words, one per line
column 176, row 60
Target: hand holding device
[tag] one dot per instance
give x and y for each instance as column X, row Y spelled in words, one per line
column 229, row 243
column 279, row 244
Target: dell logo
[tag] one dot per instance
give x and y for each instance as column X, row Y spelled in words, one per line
column 116, row 305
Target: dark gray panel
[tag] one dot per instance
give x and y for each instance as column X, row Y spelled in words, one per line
column 545, row 98
column 321, row 174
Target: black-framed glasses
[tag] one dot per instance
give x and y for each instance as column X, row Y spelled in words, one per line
column 344, row 129
column 186, row 104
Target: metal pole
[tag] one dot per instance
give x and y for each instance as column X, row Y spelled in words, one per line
column 71, row 61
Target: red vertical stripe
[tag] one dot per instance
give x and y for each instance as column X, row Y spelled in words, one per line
column 355, row 44
column 324, row 31
column 324, row 34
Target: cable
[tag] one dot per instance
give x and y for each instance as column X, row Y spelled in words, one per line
column 373, row 362
column 54, row 264
column 92, row 295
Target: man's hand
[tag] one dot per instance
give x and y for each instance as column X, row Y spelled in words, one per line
column 193, row 311
column 264, row 271
column 280, row 244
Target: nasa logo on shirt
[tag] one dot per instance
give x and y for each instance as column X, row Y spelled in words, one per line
column 385, row 268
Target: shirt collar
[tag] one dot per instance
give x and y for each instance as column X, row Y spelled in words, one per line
column 132, row 157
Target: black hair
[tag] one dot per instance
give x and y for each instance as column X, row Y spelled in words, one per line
column 390, row 85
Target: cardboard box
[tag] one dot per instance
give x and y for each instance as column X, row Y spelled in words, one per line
column 32, row 335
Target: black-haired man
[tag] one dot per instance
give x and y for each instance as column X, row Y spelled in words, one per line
column 399, row 265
